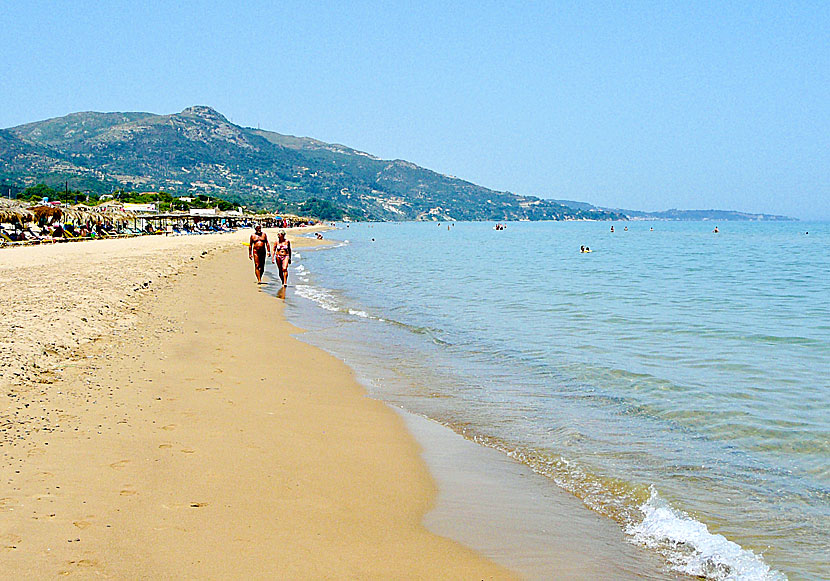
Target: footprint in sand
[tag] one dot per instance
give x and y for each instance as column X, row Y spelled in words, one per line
column 188, row 451
column 128, row 492
column 169, row 427
column 10, row 541
column 82, row 524
column 80, row 564
column 198, row 504
column 120, row 464
column 165, row 446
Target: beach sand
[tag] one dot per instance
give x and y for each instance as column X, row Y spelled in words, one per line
column 159, row 421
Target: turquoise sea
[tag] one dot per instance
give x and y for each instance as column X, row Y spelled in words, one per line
column 676, row 380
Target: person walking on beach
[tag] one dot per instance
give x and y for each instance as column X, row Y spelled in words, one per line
column 282, row 256
column 257, row 248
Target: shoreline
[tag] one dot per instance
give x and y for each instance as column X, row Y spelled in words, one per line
column 195, row 437
column 499, row 506
column 519, row 518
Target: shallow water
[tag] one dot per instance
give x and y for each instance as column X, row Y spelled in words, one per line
column 675, row 380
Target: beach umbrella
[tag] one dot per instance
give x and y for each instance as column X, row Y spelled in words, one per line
column 48, row 213
column 79, row 213
column 12, row 214
column 114, row 214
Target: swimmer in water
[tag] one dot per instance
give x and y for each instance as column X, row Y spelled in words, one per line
column 716, row 230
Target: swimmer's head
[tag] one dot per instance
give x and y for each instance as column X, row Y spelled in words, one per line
column 258, row 227
column 281, row 232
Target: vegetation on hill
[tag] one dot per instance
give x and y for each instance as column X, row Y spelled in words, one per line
column 198, row 151
column 163, row 200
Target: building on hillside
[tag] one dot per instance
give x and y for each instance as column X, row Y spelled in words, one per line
column 150, row 208
column 203, row 211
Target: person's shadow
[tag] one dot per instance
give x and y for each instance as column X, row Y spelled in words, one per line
column 281, row 293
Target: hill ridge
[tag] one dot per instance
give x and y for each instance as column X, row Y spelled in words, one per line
column 199, row 151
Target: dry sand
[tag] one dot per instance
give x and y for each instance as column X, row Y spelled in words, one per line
column 158, row 421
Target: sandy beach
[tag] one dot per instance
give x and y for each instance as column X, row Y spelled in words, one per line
column 159, row 421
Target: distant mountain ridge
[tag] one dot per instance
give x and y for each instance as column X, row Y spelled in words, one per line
column 680, row 215
column 199, row 151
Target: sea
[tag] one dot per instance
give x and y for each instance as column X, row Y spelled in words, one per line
column 675, row 379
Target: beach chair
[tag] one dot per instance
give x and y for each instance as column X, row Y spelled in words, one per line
column 6, row 240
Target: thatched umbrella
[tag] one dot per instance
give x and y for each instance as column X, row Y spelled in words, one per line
column 79, row 213
column 113, row 214
column 15, row 214
column 49, row 213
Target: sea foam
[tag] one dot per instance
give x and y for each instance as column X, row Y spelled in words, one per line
column 323, row 297
column 691, row 548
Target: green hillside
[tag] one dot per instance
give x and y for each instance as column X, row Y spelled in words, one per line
column 198, row 151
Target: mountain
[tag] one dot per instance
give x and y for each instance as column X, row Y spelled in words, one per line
column 695, row 215
column 679, row 215
column 199, row 151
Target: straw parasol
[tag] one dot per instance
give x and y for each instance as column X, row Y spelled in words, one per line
column 15, row 213
column 113, row 213
column 79, row 213
column 48, row 212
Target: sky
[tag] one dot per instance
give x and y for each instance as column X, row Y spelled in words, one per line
column 637, row 105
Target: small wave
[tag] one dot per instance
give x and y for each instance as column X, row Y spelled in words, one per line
column 690, row 548
column 326, row 299
column 321, row 296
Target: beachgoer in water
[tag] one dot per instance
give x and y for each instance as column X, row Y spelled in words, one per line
column 716, row 230
column 582, row 248
column 257, row 248
column 612, row 228
column 282, row 256
column 626, row 229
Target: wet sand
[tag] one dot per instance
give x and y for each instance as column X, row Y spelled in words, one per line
column 158, row 421
column 521, row 519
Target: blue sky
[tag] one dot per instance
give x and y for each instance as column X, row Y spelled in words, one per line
column 642, row 105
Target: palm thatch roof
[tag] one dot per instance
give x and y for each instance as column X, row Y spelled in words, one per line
column 13, row 212
column 45, row 211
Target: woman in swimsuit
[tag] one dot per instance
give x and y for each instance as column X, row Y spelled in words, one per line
column 282, row 256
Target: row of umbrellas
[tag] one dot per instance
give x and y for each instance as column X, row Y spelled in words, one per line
column 15, row 212
column 12, row 211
